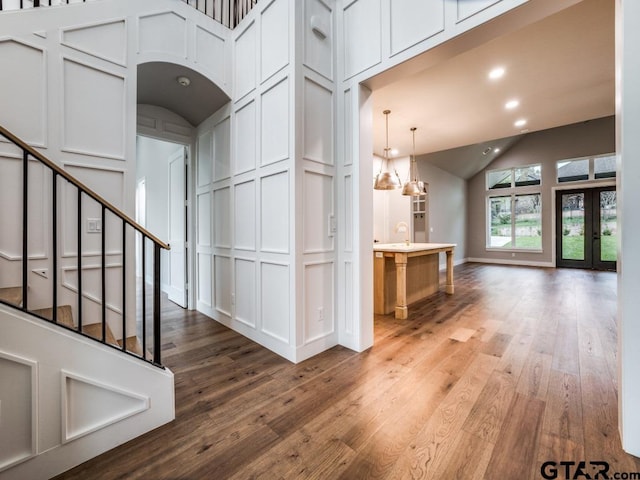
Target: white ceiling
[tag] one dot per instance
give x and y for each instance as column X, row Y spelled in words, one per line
column 561, row 69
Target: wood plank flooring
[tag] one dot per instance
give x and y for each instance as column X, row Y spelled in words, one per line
column 516, row 369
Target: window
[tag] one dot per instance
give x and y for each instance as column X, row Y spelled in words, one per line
column 516, row 222
column 585, row 169
column 514, row 177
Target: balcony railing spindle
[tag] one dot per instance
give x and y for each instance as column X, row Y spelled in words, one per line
column 25, row 230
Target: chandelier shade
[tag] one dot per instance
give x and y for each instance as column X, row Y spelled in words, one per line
column 414, row 186
column 385, row 179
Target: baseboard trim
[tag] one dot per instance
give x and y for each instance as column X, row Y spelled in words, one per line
column 500, row 261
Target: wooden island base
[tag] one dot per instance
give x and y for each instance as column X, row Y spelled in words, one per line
column 405, row 274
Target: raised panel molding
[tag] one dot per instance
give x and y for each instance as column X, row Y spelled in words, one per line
column 468, row 9
column 274, row 300
column 222, row 284
column 362, row 36
column 164, row 32
column 318, row 301
column 93, row 124
column 348, row 129
column 222, row 150
column 275, row 212
column 203, row 226
column 245, row 216
column 348, row 213
column 348, row 298
column 210, row 53
column 91, row 286
column 205, row 158
column 245, row 291
column 318, row 37
column 275, row 126
column 28, row 92
column 244, row 138
column 204, row 279
column 318, row 212
column 274, row 38
column 415, row 20
column 244, row 74
column 318, row 123
column 106, row 40
column 109, row 405
column 18, row 409
column 222, row 217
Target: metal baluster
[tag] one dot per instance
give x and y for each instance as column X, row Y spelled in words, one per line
column 144, row 299
column 103, row 274
column 156, row 305
column 79, row 232
column 124, row 286
column 54, row 245
column 25, row 228
column 36, row 3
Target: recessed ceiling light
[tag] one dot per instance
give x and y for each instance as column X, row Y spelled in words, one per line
column 520, row 123
column 486, row 150
column 511, row 104
column 184, row 81
column 496, row 150
column 394, row 151
column 496, row 73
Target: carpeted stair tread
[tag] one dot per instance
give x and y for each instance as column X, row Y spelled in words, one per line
column 12, row 295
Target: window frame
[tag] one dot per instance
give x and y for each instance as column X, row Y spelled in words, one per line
column 514, row 181
column 591, row 176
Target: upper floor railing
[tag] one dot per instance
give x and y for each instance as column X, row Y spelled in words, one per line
column 119, row 234
column 227, row 12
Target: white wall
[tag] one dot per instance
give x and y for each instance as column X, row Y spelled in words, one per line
column 628, row 194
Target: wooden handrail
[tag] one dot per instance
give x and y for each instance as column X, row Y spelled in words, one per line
column 86, row 190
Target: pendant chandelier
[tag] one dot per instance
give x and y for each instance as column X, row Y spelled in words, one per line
column 414, row 187
column 385, row 180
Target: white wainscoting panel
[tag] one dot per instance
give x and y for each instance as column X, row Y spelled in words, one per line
column 274, row 38
column 245, row 216
column 348, row 298
column 318, row 37
column 245, row 62
column 204, row 219
column 18, row 412
column 274, row 120
column 348, row 213
column 318, row 123
column 318, row 301
column 93, row 124
column 415, row 20
column 222, row 150
column 274, row 304
column 318, row 207
column 205, row 158
column 108, row 405
column 348, row 129
column 28, row 92
column 204, row 279
column 467, row 9
column 222, row 283
column 107, row 41
column 362, row 36
column 275, row 211
column 163, row 33
column 245, row 291
column 245, row 135
column 222, row 217
column 210, row 53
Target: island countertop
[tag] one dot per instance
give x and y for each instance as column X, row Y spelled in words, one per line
column 412, row 247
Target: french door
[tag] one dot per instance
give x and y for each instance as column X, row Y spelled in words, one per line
column 586, row 230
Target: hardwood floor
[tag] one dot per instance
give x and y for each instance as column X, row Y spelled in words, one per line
column 516, row 369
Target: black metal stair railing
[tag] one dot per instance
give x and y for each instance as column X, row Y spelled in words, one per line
column 107, row 212
column 227, row 12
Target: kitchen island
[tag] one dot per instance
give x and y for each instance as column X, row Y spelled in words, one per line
column 405, row 273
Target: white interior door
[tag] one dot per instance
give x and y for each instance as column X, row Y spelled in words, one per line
column 177, row 229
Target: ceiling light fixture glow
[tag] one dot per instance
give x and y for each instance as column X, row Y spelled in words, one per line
column 394, row 151
column 183, row 81
column 511, row 104
column 496, row 73
column 496, row 150
column 520, row 123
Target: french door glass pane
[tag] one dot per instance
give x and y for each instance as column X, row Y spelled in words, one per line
column 573, row 226
column 528, row 221
column 500, row 222
column 608, row 228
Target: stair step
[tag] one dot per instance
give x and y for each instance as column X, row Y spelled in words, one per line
column 134, row 345
column 12, row 295
column 95, row 330
column 65, row 315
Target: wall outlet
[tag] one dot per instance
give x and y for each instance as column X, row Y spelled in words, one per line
column 320, row 314
column 233, row 299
